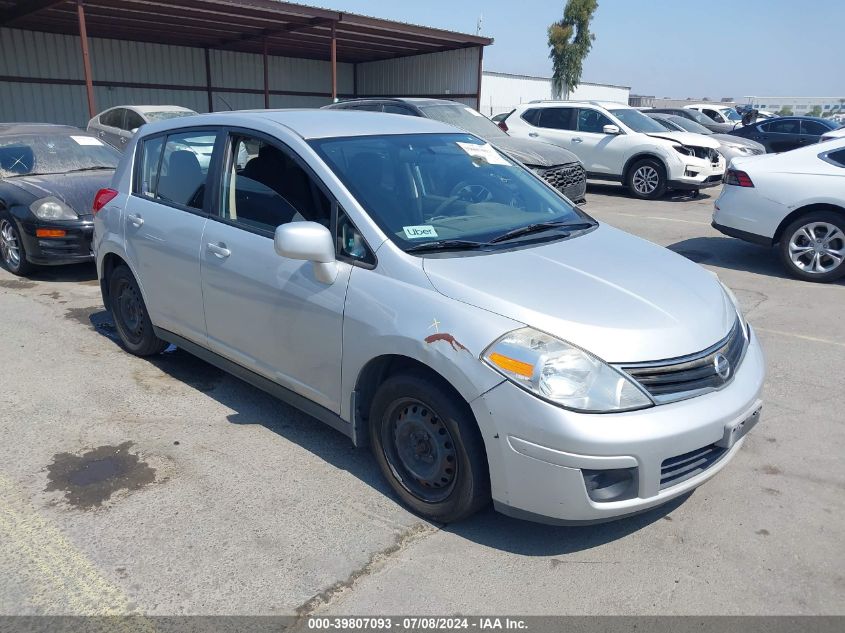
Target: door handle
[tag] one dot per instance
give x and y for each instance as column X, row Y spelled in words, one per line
column 533, row 134
column 218, row 250
column 577, row 139
column 101, row 134
column 135, row 220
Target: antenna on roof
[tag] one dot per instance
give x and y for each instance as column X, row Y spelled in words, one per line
column 479, row 24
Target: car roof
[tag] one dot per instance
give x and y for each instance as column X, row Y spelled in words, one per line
column 143, row 109
column 709, row 105
column 607, row 105
column 415, row 101
column 19, row 129
column 314, row 124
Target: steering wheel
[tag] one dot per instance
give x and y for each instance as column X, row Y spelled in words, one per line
column 467, row 192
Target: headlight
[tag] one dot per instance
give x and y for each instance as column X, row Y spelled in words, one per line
column 735, row 303
column 562, row 373
column 52, row 209
column 683, row 149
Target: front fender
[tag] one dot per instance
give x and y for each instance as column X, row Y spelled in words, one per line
column 389, row 316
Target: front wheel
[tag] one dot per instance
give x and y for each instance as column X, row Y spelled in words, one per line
column 130, row 315
column 429, row 447
column 646, row 179
column 11, row 248
column 812, row 248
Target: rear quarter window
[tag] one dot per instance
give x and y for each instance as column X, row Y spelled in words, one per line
column 531, row 116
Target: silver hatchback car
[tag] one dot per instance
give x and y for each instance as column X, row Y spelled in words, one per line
column 419, row 291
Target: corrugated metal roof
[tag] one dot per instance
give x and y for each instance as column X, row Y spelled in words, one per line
column 239, row 25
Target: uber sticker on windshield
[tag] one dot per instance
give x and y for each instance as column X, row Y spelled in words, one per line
column 483, row 152
column 418, row 232
column 86, row 140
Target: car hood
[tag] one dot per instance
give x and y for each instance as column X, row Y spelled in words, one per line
column 76, row 190
column 534, row 153
column 620, row 297
column 731, row 139
column 687, row 138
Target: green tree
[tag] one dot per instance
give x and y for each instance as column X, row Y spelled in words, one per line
column 816, row 110
column 784, row 111
column 570, row 41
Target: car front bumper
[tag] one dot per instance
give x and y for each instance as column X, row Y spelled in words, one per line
column 541, row 453
column 696, row 173
column 74, row 247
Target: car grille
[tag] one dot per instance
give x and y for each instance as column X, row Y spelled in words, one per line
column 688, row 376
column 682, row 467
column 570, row 180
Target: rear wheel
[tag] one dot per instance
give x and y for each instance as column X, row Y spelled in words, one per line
column 812, row 247
column 11, row 248
column 429, row 447
column 130, row 315
column 646, row 179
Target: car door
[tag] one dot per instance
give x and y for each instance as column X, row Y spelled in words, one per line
column 811, row 131
column 110, row 123
column 131, row 122
column 265, row 312
column 605, row 153
column 557, row 125
column 781, row 135
column 164, row 221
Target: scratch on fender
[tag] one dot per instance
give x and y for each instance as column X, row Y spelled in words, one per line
column 443, row 336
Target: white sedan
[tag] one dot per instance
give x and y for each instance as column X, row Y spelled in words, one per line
column 795, row 200
column 833, row 134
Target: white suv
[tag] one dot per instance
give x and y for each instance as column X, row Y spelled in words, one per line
column 618, row 142
column 718, row 112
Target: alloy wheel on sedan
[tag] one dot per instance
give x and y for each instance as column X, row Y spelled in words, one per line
column 813, row 247
column 817, row 247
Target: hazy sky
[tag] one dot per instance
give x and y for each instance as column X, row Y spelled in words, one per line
column 667, row 48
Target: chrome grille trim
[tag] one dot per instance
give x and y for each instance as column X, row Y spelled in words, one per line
column 693, row 375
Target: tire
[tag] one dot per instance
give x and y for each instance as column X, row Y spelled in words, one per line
column 12, row 252
column 807, row 243
column 646, row 179
column 130, row 315
column 418, row 420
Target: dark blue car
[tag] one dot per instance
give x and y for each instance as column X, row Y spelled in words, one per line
column 787, row 132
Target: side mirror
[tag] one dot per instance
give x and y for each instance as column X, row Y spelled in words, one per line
column 311, row 242
column 611, row 129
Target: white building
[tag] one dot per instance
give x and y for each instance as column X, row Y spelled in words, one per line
column 502, row 92
column 827, row 106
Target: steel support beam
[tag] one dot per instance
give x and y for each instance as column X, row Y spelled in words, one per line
column 86, row 59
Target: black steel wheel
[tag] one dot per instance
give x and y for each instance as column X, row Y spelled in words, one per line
column 429, row 447
column 130, row 315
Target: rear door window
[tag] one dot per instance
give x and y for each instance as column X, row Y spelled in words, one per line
column 113, row 118
column 558, row 118
column 174, row 169
column 783, row 126
column 813, row 128
column 133, row 120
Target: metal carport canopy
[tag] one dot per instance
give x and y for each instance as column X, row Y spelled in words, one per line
column 264, row 27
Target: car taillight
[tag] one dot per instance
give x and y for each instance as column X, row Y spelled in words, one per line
column 503, row 125
column 738, row 178
column 103, row 197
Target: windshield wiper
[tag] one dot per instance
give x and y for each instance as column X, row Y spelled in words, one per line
column 537, row 228
column 94, row 168
column 445, row 245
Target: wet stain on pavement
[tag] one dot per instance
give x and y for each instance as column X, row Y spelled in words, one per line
column 16, row 284
column 92, row 478
column 768, row 469
column 763, row 532
column 81, row 315
column 53, row 295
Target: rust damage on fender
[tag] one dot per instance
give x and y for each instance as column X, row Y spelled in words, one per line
column 443, row 336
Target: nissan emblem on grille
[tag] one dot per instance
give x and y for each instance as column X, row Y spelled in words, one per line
column 722, row 366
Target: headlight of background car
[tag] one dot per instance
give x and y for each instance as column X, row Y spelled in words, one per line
column 52, row 209
column 562, row 373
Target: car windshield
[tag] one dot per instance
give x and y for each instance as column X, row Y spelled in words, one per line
column 700, row 117
column 465, row 118
column 664, row 122
column 449, row 190
column 637, row 121
column 167, row 114
column 689, row 126
column 731, row 114
column 29, row 155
